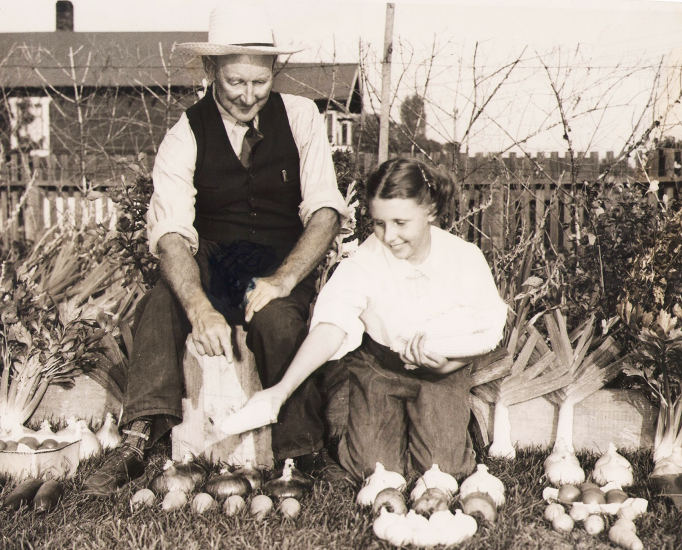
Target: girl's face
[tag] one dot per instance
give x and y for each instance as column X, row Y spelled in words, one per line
column 404, row 227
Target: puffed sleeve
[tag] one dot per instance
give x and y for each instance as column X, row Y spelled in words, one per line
column 342, row 302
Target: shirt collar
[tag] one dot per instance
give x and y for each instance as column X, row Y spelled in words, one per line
column 229, row 120
column 429, row 267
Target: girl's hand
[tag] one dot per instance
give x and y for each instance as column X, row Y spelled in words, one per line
column 275, row 397
column 416, row 354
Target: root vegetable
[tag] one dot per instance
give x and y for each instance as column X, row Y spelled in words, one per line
column 90, row 446
column 290, row 508
column 434, row 478
column 108, row 434
column 569, row 494
column 612, row 467
column 202, row 503
column 433, row 500
column 143, row 497
column 261, row 506
column 22, row 495
column 227, row 484
column 563, row 523
column 617, row 496
column 385, row 519
column 562, row 466
column 391, row 499
column 48, row 496
column 480, row 503
column 482, row 481
column 579, row 512
column 626, row 524
column 593, row 496
column 416, row 521
column 233, row 505
column 285, row 486
column 174, row 500
column 553, row 510
column 185, row 476
column 254, row 476
column 625, row 538
column 594, row 525
column 399, row 534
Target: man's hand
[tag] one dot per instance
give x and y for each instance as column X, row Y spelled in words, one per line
column 211, row 333
column 266, row 290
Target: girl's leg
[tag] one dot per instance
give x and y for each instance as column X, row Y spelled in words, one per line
column 377, row 429
column 439, row 419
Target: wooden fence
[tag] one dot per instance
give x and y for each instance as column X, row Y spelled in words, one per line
column 494, row 194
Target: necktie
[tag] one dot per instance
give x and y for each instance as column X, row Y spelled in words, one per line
column 251, row 138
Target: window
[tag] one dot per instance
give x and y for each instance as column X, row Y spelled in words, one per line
column 30, row 122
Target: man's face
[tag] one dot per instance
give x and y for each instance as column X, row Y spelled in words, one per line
column 243, row 84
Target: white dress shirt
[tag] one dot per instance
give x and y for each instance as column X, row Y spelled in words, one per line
column 451, row 296
column 171, row 209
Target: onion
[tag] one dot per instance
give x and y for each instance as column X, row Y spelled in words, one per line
column 227, row 484
column 480, row 503
column 433, row 500
column 253, row 476
column 285, row 486
column 184, row 477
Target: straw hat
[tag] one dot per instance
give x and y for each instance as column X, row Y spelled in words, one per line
column 239, row 28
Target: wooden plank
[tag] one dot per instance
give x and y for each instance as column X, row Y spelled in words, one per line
column 622, row 417
column 214, row 389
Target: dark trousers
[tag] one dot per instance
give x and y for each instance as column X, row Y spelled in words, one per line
column 404, row 419
column 155, row 376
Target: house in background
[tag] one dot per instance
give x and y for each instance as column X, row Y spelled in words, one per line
column 74, row 101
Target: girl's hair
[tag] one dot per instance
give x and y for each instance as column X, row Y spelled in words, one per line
column 406, row 178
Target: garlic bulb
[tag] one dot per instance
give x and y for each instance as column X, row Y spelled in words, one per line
column 108, row 434
column 377, row 482
column 562, row 467
column 613, row 467
column 69, row 430
column 45, row 430
column 434, row 478
column 399, row 534
column 481, row 481
column 387, row 477
column 90, row 445
column 463, row 528
column 385, row 519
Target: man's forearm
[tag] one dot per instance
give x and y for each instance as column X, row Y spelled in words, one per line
column 180, row 270
column 311, row 248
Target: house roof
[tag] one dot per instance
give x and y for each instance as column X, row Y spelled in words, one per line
column 29, row 60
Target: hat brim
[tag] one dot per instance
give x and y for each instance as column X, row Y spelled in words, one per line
column 206, row 48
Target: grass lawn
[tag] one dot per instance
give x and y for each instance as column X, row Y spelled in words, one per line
column 329, row 518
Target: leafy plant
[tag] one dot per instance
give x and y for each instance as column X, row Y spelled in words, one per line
column 41, row 343
column 128, row 246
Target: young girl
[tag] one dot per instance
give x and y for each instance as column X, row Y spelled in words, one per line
column 407, row 312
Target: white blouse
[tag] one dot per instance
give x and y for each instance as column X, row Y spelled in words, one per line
column 451, row 297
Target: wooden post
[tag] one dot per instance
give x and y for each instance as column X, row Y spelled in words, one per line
column 386, row 84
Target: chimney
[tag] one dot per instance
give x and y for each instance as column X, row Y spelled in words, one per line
column 64, row 16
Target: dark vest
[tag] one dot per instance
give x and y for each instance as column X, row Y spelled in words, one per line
column 260, row 205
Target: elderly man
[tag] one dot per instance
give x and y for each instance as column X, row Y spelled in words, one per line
column 244, row 191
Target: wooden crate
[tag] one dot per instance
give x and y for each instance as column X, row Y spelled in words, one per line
column 622, row 417
column 214, row 389
column 86, row 400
